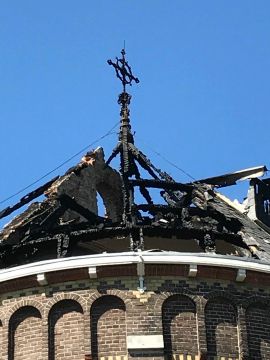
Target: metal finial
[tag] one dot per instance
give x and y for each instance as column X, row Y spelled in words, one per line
column 123, row 71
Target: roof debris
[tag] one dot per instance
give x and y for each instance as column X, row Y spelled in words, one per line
column 67, row 222
column 193, row 211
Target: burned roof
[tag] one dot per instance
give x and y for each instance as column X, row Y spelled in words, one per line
column 192, row 217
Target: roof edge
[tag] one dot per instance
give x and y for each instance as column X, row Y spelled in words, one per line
column 125, row 258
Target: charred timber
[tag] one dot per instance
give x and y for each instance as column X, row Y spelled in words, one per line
column 232, row 178
column 45, row 247
column 27, row 198
column 154, row 208
column 142, row 160
column 71, row 204
column 161, row 184
column 183, row 233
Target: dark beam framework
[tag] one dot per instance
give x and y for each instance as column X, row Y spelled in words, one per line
column 27, row 198
column 43, row 231
column 161, row 184
column 63, row 242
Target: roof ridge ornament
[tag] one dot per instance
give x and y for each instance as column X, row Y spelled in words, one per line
column 128, row 167
column 130, row 156
column 123, row 71
column 124, row 74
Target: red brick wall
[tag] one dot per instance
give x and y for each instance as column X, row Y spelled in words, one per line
column 66, row 331
column 258, row 329
column 25, row 335
column 108, row 327
column 179, row 326
column 90, row 329
column 221, row 329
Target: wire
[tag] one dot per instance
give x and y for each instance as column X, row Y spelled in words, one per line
column 110, row 132
column 62, row 164
column 167, row 160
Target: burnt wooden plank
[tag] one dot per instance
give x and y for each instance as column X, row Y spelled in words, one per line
column 232, row 178
column 27, row 198
column 161, row 184
column 70, row 203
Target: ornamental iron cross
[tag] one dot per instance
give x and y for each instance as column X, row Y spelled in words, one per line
column 123, row 71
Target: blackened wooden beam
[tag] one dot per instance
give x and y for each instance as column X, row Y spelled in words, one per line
column 53, row 216
column 161, row 184
column 158, row 208
column 70, row 203
column 142, row 160
column 27, row 198
column 182, row 233
column 44, row 246
column 232, row 178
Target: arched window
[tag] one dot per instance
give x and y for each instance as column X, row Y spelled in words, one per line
column 25, row 335
column 179, row 326
column 258, row 330
column 66, row 331
column 108, row 327
column 221, row 329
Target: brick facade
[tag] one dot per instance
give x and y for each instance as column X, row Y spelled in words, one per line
column 178, row 318
column 25, row 335
column 258, row 330
column 221, row 329
column 66, row 331
column 108, row 327
column 91, row 319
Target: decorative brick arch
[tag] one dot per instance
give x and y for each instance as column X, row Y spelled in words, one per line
column 23, row 303
column 222, row 295
column 179, row 322
column 25, row 332
column 165, row 295
column 221, row 323
column 3, row 319
column 257, row 321
column 107, row 317
column 111, row 292
column 64, row 296
column 66, row 330
column 256, row 299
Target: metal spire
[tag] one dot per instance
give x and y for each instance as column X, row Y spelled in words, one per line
column 130, row 156
column 124, row 74
column 128, row 167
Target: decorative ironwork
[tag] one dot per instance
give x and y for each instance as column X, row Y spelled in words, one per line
column 123, row 71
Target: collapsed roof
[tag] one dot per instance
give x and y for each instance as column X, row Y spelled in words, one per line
column 192, row 217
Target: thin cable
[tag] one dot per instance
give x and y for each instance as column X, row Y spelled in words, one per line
column 62, row 164
column 167, row 160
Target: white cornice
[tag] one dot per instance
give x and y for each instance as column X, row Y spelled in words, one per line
column 147, row 257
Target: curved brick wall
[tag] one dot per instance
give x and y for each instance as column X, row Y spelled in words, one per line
column 221, row 328
column 66, row 331
column 108, row 327
column 25, row 334
column 75, row 317
column 258, row 330
column 178, row 318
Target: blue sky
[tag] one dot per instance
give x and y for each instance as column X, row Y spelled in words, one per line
column 203, row 99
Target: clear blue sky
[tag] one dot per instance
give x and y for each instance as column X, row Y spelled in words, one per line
column 203, row 99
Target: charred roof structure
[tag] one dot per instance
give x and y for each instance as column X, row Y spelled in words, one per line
column 179, row 275
column 191, row 216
